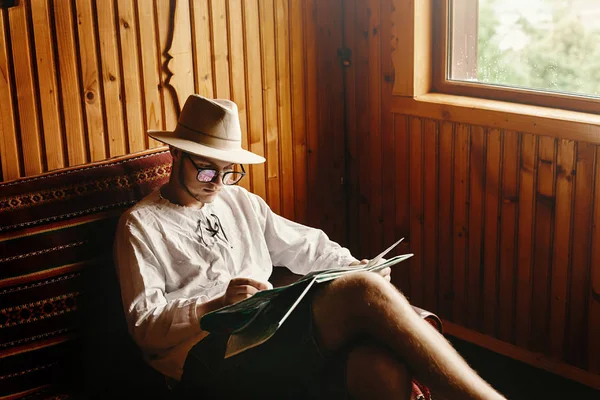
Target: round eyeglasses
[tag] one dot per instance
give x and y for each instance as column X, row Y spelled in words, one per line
column 206, row 175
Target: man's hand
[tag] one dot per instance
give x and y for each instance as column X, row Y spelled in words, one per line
column 242, row 288
column 386, row 272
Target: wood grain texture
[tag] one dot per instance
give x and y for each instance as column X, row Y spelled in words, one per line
column 90, row 79
column 544, row 228
column 430, row 213
column 111, row 79
column 69, row 70
column 460, row 220
column 9, row 151
column 150, row 70
column 593, row 318
column 476, row 234
column 579, row 275
column 508, row 236
column 27, row 96
column 565, row 168
column 269, row 106
column 415, row 239
column 284, row 107
column 130, row 64
column 527, row 193
column 46, row 67
column 493, row 179
column 446, row 227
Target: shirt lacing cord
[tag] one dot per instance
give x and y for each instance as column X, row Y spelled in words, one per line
column 215, row 228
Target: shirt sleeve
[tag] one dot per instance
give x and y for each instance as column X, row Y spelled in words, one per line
column 155, row 323
column 300, row 248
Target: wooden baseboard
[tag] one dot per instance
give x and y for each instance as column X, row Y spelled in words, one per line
column 534, row 359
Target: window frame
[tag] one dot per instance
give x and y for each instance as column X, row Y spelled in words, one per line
column 441, row 83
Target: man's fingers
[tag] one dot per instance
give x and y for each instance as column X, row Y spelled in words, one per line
column 244, row 289
column 363, row 261
column 249, row 282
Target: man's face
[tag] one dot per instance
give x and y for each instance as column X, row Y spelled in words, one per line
column 204, row 192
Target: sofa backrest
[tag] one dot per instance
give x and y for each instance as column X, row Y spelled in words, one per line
column 62, row 327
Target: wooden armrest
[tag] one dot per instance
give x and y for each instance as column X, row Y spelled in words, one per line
column 282, row 276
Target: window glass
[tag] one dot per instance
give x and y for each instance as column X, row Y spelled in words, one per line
column 544, row 45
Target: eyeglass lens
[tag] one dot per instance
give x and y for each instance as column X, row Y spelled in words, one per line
column 229, row 178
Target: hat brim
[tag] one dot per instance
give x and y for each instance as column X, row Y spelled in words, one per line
column 237, row 156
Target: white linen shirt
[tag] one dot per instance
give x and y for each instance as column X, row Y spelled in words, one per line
column 170, row 258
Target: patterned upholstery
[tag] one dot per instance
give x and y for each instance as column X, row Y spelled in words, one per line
column 59, row 299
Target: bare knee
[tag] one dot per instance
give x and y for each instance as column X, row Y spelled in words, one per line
column 345, row 308
column 363, row 290
column 373, row 372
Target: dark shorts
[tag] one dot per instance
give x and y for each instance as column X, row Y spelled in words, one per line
column 290, row 365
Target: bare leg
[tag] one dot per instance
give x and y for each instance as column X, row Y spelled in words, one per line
column 365, row 304
column 374, row 373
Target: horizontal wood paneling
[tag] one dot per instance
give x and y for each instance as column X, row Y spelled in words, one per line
column 83, row 80
column 502, row 217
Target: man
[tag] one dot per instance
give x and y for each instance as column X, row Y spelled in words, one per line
column 201, row 243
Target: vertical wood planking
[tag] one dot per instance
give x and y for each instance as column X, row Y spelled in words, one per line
column 330, row 118
column 282, row 50
column 25, row 81
column 202, row 44
column 149, row 54
column 430, row 217
column 492, row 208
column 527, row 184
column 71, row 94
column 47, row 84
column 111, row 79
column 565, row 166
column 352, row 139
column 254, row 100
column 387, row 135
column 298, row 106
column 363, row 109
column 401, row 277
column 180, row 64
column 128, row 34
column 579, row 277
column 168, row 95
column 237, row 67
column 460, row 221
column 508, row 243
column 545, row 202
column 9, row 140
column 446, row 227
column 90, row 77
column 220, row 49
column 416, row 210
column 594, row 287
column 269, row 106
column 375, row 111
column 476, row 217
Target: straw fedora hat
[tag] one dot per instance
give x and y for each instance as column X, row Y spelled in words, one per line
column 209, row 128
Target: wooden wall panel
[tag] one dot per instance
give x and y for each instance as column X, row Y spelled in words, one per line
column 83, row 80
column 503, row 223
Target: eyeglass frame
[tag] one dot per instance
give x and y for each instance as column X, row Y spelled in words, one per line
column 219, row 173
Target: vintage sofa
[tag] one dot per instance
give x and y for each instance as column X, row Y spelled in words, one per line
column 62, row 328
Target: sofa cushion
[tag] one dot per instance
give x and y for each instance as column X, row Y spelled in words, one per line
column 62, row 328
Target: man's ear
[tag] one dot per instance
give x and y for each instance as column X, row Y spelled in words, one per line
column 175, row 152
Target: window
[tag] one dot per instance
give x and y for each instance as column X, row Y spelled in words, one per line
column 544, row 52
